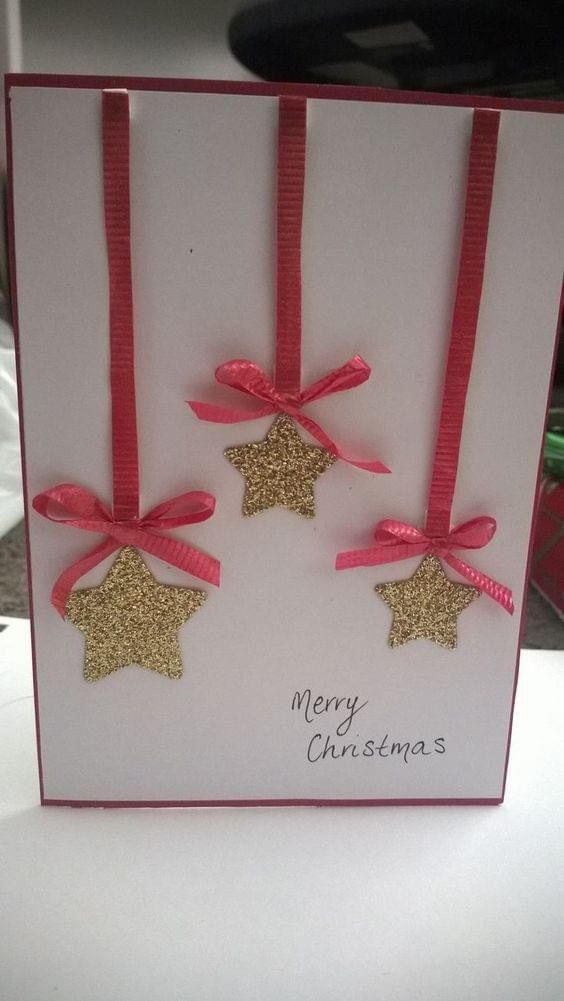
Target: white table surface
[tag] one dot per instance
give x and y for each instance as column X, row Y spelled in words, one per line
column 301, row 904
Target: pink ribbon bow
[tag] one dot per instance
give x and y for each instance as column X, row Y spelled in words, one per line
column 246, row 377
column 398, row 541
column 75, row 506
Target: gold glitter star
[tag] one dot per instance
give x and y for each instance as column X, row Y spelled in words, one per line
column 132, row 619
column 426, row 606
column 281, row 470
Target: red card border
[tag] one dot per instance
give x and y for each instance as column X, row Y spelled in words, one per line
column 320, row 91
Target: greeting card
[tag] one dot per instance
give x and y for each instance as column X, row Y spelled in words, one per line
column 326, row 317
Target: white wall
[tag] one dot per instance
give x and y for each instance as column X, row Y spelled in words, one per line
column 136, row 37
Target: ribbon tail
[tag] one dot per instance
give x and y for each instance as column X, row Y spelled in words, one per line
column 65, row 582
column 180, row 555
column 378, row 555
column 227, row 415
column 480, row 580
column 371, row 466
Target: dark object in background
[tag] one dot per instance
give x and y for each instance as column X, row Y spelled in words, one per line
column 513, row 49
column 554, row 445
column 547, row 566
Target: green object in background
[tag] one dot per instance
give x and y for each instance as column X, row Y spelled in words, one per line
column 554, row 444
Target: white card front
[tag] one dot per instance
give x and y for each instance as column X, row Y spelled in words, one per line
column 290, row 691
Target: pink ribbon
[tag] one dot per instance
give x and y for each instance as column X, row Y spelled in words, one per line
column 396, row 540
column 73, row 505
column 283, row 394
column 246, row 377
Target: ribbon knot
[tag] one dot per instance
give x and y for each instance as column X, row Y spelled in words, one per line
column 73, row 505
column 397, row 540
column 247, row 377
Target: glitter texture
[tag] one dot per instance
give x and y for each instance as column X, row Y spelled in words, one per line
column 281, row 470
column 426, row 606
column 132, row 619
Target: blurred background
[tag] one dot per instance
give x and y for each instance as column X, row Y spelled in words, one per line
column 509, row 48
